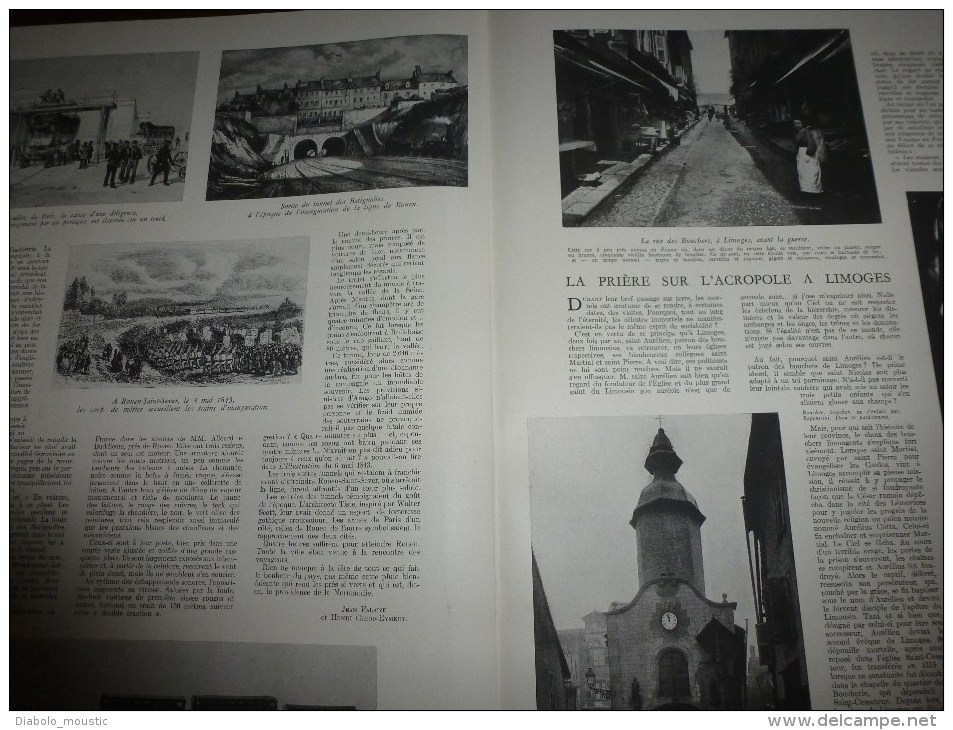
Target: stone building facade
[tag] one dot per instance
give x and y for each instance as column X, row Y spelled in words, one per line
column 808, row 75
column 619, row 94
column 671, row 647
column 554, row 686
column 771, row 553
column 328, row 100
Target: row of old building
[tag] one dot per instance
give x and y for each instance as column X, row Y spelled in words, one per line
column 781, row 75
column 618, row 94
column 327, row 99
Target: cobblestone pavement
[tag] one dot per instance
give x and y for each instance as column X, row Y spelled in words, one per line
column 710, row 179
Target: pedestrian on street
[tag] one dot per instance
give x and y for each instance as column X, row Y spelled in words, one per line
column 135, row 154
column 112, row 164
column 123, row 160
column 811, row 152
column 163, row 164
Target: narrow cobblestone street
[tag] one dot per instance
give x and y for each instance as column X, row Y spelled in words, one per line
column 717, row 177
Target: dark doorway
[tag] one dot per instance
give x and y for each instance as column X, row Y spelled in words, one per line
column 673, row 674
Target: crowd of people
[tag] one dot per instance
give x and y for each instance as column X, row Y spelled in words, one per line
column 73, row 357
column 122, row 159
column 117, row 364
column 62, row 154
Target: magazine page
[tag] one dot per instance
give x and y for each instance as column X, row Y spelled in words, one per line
column 251, row 438
column 718, row 430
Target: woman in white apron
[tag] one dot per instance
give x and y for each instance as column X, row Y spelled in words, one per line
column 811, row 152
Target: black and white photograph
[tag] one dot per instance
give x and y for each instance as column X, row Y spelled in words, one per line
column 689, row 604
column 340, row 117
column 926, row 222
column 93, row 675
column 217, row 313
column 711, row 128
column 100, row 129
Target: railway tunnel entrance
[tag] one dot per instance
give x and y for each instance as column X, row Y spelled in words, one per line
column 305, row 148
column 334, row 146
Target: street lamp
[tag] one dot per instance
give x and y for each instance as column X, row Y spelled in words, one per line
column 591, row 684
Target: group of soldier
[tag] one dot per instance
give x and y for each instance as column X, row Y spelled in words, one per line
column 268, row 359
column 123, row 158
column 271, row 359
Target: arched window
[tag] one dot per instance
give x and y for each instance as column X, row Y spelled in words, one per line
column 673, row 674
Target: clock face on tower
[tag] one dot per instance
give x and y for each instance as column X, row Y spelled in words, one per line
column 669, row 621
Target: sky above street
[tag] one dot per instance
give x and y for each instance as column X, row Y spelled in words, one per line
column 710, row 61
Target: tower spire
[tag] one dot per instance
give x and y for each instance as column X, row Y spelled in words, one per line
column 662, row 455
column 667, row 520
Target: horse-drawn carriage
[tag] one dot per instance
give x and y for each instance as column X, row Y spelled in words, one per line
column 179, row 162
column 153, row 136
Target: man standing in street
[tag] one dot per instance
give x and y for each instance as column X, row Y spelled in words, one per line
column 135, row 154
column 112, row 164
column 163, row 164
column 123, row 160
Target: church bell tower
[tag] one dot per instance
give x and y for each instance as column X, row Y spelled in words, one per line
column 667, row 522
